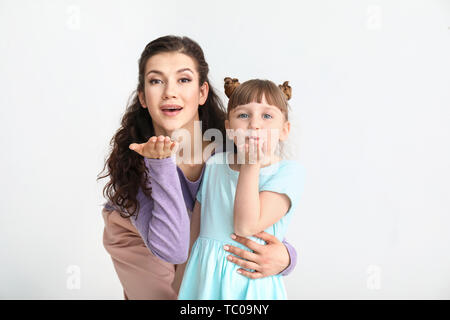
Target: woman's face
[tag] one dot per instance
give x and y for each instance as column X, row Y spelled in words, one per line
column 172, row 92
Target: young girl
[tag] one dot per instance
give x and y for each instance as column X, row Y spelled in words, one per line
column 149, row 195
column 260, row 192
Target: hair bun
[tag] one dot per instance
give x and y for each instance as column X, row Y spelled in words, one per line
column 286, row 88
column 230, row 85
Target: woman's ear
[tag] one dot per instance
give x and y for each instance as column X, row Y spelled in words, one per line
column 204, row 90
column 142, row 99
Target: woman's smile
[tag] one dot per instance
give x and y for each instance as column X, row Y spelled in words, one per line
column 171, row 110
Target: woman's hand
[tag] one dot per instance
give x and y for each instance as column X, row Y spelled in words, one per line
column 156, row 147
column 267, row 260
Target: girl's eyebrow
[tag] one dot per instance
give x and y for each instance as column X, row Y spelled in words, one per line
column 237, row 108
column 265, row 107
column 161, row 73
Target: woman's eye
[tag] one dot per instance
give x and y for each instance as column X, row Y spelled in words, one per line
column 153, row 81
column 185, row 80
column 243, row 115
column 267, row 116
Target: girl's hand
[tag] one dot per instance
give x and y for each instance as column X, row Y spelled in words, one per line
column 156, row 147
column 267, row 260
column 253, row 152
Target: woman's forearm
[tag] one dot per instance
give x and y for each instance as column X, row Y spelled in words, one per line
column 246, row 204
column 163, row 221
column 292, row 258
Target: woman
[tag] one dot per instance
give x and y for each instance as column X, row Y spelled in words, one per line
column 146, row 225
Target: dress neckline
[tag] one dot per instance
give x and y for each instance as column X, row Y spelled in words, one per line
column 201, row 173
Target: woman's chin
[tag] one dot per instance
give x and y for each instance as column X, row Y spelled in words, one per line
column 171, row 124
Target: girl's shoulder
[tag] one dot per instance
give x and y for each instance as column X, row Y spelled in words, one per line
column 291, row 165
column 288, row 177
column 217, row 158
column 291, row 168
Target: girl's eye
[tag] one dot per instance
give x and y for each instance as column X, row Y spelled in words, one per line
column 243, row 115
column 187, row 80
column 153, row 81
column 267, row 116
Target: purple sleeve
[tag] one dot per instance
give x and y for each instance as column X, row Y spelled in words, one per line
column 293, row 256
column 163, row 221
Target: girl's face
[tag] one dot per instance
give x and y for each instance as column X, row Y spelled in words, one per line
column 266, row 123
column 172, row 92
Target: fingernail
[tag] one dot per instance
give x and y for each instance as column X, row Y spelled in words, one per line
column 229, row 258
column 226, row 248
column 233, row 236
column 239, row 271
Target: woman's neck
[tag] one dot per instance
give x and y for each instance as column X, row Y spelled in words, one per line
column 191, row 146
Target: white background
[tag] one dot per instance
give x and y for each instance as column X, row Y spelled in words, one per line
column 371, row 123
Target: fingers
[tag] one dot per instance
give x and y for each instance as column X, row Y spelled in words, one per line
column 256, row 247
column 136, row 147
column 167, row 145
column 252, row 151
column 267, row 237
column 174, row 146
column 159, row 145
column 264, row 153
column 241, row 253
column 156, row 147
column 149, row 146
column 247, row 150
column 251, row 275
column 243, row 263
column 256, row 151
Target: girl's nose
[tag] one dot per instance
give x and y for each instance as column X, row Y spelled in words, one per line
column 255, row 124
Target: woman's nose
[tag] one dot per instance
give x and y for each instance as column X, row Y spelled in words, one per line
column 170, row 90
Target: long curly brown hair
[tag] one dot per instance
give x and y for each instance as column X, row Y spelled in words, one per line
column 126, row 168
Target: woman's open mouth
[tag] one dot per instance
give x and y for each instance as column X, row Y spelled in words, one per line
column 171, row 109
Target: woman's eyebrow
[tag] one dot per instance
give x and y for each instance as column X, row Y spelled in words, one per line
column 185, row 69
column 161, row 73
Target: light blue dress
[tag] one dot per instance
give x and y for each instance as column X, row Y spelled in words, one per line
column 209, row 275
